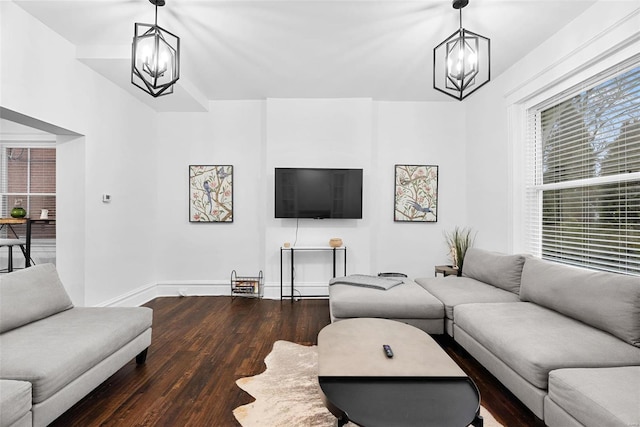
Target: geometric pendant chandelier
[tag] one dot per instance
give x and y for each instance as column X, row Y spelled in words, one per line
column 461, row 63
column 155, row 59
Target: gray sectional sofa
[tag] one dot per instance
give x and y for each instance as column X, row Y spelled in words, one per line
column 564, row 340
column 51, row 353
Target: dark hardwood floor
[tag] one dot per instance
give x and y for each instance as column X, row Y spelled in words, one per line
column 202, row 345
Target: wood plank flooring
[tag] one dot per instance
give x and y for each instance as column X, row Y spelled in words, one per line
column 202, row 345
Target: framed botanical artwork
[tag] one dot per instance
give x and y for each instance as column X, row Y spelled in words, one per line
column 416, row 193
column 210, row 193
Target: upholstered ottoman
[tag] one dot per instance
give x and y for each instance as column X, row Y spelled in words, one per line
column 15, row 403
column 593, row 397
column 408, row 302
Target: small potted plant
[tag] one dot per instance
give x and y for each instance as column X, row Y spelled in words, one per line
column 458, row 241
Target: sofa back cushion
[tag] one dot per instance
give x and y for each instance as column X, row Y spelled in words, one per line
column 29, row 295
column 607, row 301
column 500, row 270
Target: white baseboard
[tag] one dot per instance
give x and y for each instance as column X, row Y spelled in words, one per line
column 304, row 290
column 134, row 298
column 185, row 288
column 146, row 293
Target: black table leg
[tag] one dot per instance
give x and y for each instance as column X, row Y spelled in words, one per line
column 342, row 421
column 345, row 261
column 334, row 262
column 27, row 256
column 280, row 274
column 478, row 421
column 292, row 251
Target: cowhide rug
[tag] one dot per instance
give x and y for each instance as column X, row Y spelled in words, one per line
column 287, row 392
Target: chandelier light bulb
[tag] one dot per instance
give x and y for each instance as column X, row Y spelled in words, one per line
column 473, row 60
column 458, row 71
column 155, row 61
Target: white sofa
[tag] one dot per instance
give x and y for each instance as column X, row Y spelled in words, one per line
column 564, row 340
column 51, row 353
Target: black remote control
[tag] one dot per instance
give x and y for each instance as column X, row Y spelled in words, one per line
column 387, row 351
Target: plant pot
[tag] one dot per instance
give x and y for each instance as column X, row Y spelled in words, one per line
column 18, row 212
column 336, row 242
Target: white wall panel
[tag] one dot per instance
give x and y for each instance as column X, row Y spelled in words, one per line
column 118, row 156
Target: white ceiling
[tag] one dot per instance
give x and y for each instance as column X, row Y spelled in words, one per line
column 261, row 49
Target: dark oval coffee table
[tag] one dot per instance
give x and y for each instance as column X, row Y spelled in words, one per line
column 420, row 386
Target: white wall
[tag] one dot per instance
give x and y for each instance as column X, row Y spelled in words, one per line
column 196, row 255
column 70, row 197
column 606, row 34
column 257, row 137
column 418, row 133
column 319, row 133
column 104, row 251
column 488, row 168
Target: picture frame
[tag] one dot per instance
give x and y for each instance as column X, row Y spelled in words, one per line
column 211, row 193
column 416, row 193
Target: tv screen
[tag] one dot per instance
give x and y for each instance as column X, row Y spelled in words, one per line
column 318, row 193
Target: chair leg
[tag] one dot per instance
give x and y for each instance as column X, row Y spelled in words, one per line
column 10, row 265
column 24, row 252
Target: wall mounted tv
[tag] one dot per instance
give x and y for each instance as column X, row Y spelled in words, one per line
column 318, row 193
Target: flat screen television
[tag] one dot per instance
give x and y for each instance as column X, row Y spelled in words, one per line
column 318, row 193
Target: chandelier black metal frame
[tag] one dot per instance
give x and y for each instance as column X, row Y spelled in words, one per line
column 462, row 62
column 155, row 59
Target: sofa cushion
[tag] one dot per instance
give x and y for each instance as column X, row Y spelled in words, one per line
column 607, row 301
column 533, row 340
column 53, row 352
column 15, row 401
column 453, row 291
column 598, row 397
column 405, row 301
column 29, row 295
column 500, row 270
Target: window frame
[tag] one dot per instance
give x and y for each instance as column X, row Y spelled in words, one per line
column 532, row 200
column 27, row 143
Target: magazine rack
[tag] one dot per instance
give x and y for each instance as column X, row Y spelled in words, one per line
column 247, row 286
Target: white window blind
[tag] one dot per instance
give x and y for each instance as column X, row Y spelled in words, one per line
column 583, row 175
column 28, row 178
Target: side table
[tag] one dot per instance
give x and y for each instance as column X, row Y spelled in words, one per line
column 446, row 270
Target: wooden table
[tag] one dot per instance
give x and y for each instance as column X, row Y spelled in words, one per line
column 26, row 250
column 446, row 270
column 420, row 386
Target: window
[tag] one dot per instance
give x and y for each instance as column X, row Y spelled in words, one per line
column 583, row 181
column 28, row 178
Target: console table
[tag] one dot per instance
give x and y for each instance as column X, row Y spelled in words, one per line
column 293, row 249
